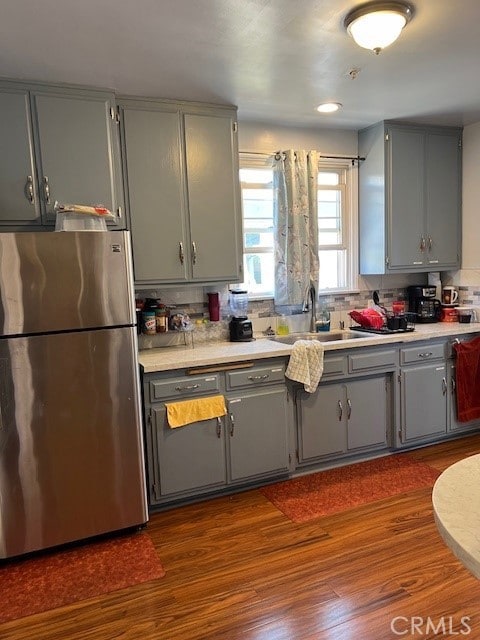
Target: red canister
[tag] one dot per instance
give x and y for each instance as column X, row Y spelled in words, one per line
column 449, row 314
column 213, row 307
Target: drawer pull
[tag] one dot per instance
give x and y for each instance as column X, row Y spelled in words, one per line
column 425, row 354
column 265, row 376
column 188, row 387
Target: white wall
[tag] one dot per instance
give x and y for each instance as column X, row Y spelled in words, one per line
column 469, row 274
column 264, row 137
column 471, row 197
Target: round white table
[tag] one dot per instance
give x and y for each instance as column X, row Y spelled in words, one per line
column 456, row 507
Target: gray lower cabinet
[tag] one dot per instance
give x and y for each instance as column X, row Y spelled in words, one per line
column 247, row 444
column 257, row 433
column 423, row 392
column 188, row 458
column 58, row 144
column 409, row 198
column 183, row 191
column 343, row 417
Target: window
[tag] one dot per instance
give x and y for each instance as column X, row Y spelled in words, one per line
column 336, row 225
column 256, row 179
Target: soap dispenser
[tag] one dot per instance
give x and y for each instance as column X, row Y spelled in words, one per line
column 322, row 322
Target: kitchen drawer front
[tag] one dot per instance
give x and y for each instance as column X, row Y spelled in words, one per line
column 181, row 387
column 257, row 376
column 336, row 365
column 376, row 360
column 422, row 353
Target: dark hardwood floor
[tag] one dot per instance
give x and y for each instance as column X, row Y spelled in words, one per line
column 237, row 568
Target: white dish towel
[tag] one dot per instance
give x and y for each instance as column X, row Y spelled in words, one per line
column 306, row 363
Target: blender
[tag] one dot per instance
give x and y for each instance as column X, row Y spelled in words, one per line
column 240, row 326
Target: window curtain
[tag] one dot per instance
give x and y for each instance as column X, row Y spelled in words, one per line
column 295, row 222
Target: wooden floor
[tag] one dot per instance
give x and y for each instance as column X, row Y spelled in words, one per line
column 238, row 569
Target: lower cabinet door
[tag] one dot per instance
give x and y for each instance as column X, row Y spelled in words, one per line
column 322, row 422
column 191, row 457
column 257, row 432
column 367, row 413
column 424, row 401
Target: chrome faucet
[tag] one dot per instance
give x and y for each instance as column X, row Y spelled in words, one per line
column 310, row 304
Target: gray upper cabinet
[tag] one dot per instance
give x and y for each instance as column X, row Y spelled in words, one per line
column 76, row 140
column 183, row 191
column 409, row 198
column 19, row 203
column 58, row 144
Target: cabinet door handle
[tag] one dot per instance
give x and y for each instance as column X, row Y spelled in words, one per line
column 265, row 376
column 349, row 409
column 219, row 428
column 425, row 354
column 194, row 253
column 29, row 190
column 188, row 387
column 422, row 244
column 232, row 424
column 181, row 252
column 454, row 385
column 340, row 410
column 444, row 386
column 46, row 189
column 430, row 243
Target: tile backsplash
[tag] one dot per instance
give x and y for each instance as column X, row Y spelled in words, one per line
column 193, row 301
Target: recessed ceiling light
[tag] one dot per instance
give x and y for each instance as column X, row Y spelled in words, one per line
column 329, row 107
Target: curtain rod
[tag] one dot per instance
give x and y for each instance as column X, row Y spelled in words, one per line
column 278, row 155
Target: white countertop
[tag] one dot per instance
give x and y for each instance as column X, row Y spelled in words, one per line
column 179, row 357
column 457, row 510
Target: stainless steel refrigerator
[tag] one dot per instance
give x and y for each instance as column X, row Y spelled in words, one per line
column 71, row 448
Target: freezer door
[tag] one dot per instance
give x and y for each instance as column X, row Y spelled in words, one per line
column 71, row 448
column 65, row 281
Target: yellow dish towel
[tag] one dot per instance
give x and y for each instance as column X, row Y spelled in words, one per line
column 181, row 413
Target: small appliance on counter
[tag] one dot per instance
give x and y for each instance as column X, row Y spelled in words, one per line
column 240, row 327
column 422, row 302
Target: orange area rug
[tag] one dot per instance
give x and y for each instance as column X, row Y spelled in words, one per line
column 336, row 490
column 55, row 579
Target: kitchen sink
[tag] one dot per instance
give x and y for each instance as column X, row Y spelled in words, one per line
column 328, row 336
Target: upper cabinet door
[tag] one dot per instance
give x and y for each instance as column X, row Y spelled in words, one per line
column 19, row 202
column 78, row 156
column 153, row 158
column 443, row 197
column 213, row 196
column 406, row 173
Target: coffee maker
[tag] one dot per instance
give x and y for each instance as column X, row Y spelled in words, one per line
column 240, row 326
column 422, row 302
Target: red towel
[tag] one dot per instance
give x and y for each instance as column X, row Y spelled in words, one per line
column 468, row 380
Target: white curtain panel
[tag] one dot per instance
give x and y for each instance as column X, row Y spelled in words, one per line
column 295, row 219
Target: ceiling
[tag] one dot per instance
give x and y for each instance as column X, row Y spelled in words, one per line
column 275, row 59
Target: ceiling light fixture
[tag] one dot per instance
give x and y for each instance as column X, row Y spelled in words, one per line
column 329, row 107
column 375, row 25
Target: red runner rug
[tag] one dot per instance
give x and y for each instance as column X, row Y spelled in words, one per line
column 41, row 583
column 336, row 490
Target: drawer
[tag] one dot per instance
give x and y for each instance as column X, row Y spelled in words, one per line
column 422, row 353
column 375, row 360
column 182, row 387
column 335, row 366
column 255, row 377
